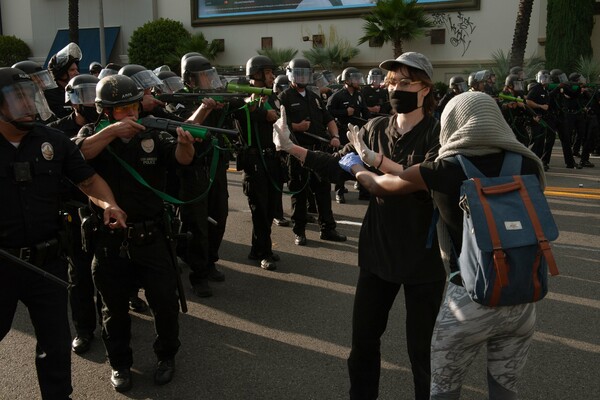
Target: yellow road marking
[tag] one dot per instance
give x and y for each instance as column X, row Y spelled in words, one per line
column 577, row 193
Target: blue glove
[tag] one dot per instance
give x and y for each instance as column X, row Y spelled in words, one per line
column 348, row 161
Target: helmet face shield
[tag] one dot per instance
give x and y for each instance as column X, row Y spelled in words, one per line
column 146, row 79
column 562, row 78
column 207, row 79
column 43, row 79
column 84, row 93
column 518, row 86
column 330, row 77
column 68, row 53
column 300, row 76
column 170, row 85
column 461, row 87
column 107, row 72
column 320, row 81
column 543, row 78
column 374, row 79
column 24, row 99
column 355, row 78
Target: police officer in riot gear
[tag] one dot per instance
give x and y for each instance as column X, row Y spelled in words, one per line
column 63, row 66
column 281, row 83
column 514, row 112
column 477, row 80
column 143, row 250
column 95, row 68
column 375, row 94
column 35, row 160
column 262, row 179
column 306, row 113
column 457, row 85
column 38, row 75
column 566, row 106
column 347, row 106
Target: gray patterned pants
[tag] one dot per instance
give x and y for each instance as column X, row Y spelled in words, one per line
column 462, row 328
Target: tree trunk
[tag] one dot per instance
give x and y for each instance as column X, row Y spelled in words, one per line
column 398, row 48
column 74, row 21
column 517, row 51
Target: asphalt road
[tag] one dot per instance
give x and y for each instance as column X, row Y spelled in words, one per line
column 286, row 334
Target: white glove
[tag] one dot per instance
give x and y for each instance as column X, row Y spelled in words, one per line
column 281, row 133
column 355, row 136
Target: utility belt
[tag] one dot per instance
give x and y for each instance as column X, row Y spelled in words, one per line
column 38, row 254
column 268, row 152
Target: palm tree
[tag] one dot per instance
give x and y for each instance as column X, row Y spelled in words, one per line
column 519, row 43
column 395, row 21
column 279, row 56
column 74, row 21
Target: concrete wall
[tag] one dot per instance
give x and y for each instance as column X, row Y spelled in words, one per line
column 484, row 31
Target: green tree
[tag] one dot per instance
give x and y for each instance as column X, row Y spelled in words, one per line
column 198, row 43
column 333, row 55
column 12, row 50
column 519, row 44
column 568, row 32
column 395, row 21
column 155, row 43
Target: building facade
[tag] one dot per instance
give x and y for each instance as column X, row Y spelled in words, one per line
column 466, row 35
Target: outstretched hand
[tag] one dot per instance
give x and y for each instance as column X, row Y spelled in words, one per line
column 281, row 133
column 355, row 136
column 348, row 161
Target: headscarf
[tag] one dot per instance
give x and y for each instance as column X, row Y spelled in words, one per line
column 472, row 125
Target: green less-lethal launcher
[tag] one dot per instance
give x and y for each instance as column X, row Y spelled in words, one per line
column 168, row 125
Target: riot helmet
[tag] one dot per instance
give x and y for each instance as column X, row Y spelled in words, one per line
column 116, row 90
column 171, row 82
column 352, row 76
column 40, row 76
column 198, row 73
column 81, row 89
column 280, row 83
column 160, row 69
column 477, row 79
column 458, row 84
column 577, row 78
column 144, row 78
column 60, row 63
column 110, row 69
column 517, row 71
column 299, row 72
column 542, row 77
column 513, row 81
column 375, row 76
column 259, row 64
column 95, row 68
column 21, row 100
column 557, row 76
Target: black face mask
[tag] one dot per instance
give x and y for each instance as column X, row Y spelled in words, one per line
column 89, row 113
column 404, row 102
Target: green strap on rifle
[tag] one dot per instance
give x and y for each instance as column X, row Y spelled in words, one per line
column 166, row 197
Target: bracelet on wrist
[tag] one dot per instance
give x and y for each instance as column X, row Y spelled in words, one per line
column 380, row 162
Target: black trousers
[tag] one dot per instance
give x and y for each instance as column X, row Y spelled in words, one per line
column 372, row 303
column 47, row 305
column 218, row 209
column 152, row 264
column 194, row 180
column 262, row 186
column 321, row 189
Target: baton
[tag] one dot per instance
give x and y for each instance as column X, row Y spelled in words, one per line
column 6, row 255
column 312, row 135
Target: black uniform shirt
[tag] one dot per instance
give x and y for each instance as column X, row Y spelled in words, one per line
column 393, row 236
column 298, row 108
column 377, row 97
column 149, row 153
column 29, row 206
column 67, row 125
column 539, row 95
column 56, row 101
column 338, row 104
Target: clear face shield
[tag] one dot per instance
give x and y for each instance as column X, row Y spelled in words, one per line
column 320, row 81
column 461, row 87
column 543, row 79
column 280, row 87
column 355, row 78
column 161, row 69
column 43, row 79
column 171, row 85
column 69, row 52
column 107, row 72
column 330, row 77
column 374, row 79
column 84, row 93
column 562, row 78
column 518, row 86
column 24, row 99
column 300, row 76
column 146, row 79
column 482, row 76
column 206, row 80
